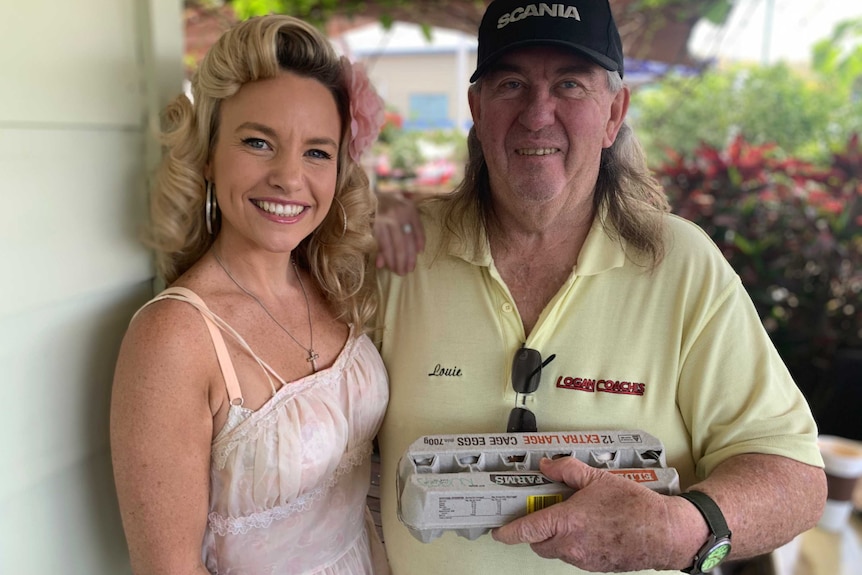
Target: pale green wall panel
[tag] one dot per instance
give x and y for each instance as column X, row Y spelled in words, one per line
column 66, row 524
column 78, row 207
column 58, row 511
column 58, row 363
column 82, row 84
column 73, row 62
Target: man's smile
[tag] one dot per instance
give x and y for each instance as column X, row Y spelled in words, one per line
column 536, row 151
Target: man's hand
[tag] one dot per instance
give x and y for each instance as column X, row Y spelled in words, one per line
column 609, row 524
column 399, row 233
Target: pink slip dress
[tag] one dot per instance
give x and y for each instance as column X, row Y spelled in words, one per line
column 289, row 481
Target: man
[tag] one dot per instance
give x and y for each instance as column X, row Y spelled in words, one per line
column 558, row 240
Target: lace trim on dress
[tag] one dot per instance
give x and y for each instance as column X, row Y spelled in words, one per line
column 222, row 525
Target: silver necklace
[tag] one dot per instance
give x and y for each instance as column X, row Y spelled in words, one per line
column 312, row 355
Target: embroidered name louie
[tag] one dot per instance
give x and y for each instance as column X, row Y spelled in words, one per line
column 440, row 371
column 552, row 10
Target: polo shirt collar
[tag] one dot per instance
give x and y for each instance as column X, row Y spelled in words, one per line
column 601, row 252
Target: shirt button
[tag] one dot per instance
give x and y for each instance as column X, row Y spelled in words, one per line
column 507, row 307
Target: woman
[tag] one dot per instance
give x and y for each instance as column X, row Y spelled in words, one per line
column 246, row 395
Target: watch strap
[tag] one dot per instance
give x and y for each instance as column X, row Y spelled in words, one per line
column 710, row 511
column 709, row 556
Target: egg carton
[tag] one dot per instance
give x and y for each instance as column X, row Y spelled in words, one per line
column 472, row 483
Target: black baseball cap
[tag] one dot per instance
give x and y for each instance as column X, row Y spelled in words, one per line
column 585, row 26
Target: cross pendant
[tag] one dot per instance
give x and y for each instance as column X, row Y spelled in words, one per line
column 312, row 358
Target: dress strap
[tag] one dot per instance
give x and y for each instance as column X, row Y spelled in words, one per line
column 234, row 392
column 216, row 325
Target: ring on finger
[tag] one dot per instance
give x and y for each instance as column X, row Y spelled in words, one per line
column 407, row 229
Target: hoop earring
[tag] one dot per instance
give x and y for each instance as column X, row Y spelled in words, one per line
column 343, row 215
column 211, row 208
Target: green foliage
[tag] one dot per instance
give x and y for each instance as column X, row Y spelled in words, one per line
column 316, row 11
column 839, row 60
column 840, row 56
column 448, row 138
column 404, row 147
column 808, row 114
column 245, row 9
column 319, row 11
column 212, row 4
column 804, row 115
column 403, row 152
column 716, row 11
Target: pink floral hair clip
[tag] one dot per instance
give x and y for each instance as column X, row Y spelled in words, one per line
column 366, row 109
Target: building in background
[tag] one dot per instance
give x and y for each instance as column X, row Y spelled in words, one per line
column 424, row 79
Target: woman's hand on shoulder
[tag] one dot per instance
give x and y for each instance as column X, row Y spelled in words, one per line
column 161, row 431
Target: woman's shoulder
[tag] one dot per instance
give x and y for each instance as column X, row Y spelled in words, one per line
column 178, row 309
column 167, row 330
column 166, row 366
column 169, row 311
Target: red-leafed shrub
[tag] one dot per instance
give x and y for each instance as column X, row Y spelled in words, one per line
column 793, row 232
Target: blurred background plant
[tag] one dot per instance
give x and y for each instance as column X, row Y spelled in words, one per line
column 424, row 161
column 807, row 112
column 793, row 232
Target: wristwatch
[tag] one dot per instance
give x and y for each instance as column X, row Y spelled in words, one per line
column 717, row 547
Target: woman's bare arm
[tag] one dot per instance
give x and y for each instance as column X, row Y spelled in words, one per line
column 161, row 430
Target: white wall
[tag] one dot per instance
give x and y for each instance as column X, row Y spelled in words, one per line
column 80, row 85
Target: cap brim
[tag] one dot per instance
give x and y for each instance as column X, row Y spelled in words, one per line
column 596, row 57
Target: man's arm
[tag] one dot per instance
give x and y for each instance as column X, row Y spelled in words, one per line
column 766, row 499
column 398, row 231
column 614, row 524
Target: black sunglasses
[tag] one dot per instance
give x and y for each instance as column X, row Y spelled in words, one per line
column 526, row 373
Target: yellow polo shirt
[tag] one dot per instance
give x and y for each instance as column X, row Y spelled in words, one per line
column 678, row 352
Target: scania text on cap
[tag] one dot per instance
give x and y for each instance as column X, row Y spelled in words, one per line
column 552, row 10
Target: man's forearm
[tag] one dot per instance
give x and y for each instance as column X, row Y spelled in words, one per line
column 766, row 499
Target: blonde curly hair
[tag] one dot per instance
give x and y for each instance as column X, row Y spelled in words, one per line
column 338, row 258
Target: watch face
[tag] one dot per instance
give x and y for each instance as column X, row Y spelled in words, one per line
column 715, row 556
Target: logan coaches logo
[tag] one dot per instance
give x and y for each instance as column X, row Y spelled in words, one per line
column 552, row 10
column 601, row 385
